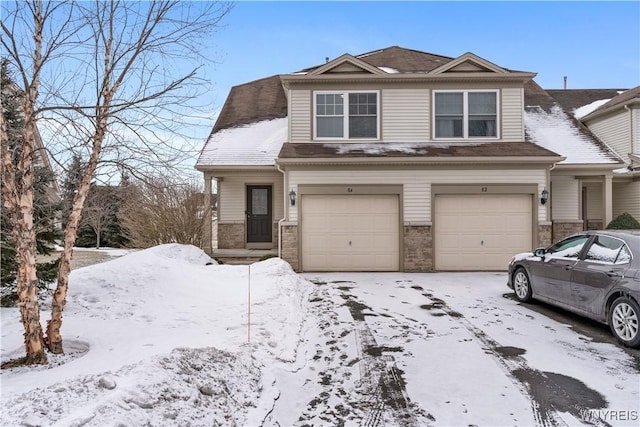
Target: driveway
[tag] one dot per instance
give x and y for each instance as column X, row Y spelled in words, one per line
column 451, row 349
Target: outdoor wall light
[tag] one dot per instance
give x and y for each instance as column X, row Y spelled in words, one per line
column 544, row 197
column 292, row 197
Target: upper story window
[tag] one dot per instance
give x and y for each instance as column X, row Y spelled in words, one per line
column 357, row 119
column 466, row 114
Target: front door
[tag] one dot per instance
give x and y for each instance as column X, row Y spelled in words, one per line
column 259, row 216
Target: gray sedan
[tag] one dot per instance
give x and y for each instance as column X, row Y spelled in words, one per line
column 595, row 274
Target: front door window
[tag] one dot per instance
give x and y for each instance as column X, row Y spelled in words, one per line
column 259, row 216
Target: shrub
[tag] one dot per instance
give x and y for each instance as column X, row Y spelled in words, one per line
column 624, row 222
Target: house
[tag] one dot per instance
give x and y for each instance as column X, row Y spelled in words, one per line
column 613, row 115
column 401, row 160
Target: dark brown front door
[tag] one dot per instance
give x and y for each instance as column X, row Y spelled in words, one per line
column 259, row 213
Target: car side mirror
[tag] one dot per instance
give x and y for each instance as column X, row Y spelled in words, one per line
column 539, row 252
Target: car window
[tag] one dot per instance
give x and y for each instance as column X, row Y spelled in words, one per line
column 608, row 250
column 568, row 248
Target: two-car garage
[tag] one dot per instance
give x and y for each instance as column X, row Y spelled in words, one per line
column 364, row 232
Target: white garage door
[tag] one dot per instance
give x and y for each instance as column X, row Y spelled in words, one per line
column 350, row 233
column 481, row 232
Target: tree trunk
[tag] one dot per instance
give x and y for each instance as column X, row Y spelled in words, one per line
column 54, row 337
column 17, row 195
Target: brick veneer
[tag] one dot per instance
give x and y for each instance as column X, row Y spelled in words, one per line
column 544, row 236
column 231, row 236
column 562, row 229
column 290, row 246
column 418, row 248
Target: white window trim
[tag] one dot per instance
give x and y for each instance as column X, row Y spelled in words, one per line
column 465, row 115
column 345, row 124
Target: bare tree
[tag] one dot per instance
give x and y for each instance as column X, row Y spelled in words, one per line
column 116, row 78
column 162, row 211
column 99, row 209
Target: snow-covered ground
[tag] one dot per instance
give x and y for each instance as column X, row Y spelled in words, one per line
column 162, row 337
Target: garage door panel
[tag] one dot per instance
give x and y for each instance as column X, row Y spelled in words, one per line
column 481, row 232
column 350, row 233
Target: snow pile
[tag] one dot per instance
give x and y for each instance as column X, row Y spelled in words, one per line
column 159, row 336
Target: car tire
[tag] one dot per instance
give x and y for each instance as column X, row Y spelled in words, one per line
column 624, row 317
column 522, row 285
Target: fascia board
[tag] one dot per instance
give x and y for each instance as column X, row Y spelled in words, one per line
column 227, row 168
column 289, row 79
column 472, row 58
column 635, row 102
column 343, row 60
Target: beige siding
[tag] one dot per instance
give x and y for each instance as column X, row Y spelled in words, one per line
column 232, row 195
column 565, row 198
column 594, row 201
column 636, row 130
column 626, row 198
column 300, row 125
column 512, row 111
column 614, row 130
column 405, row 115
column 405, row 112
column 417, row 184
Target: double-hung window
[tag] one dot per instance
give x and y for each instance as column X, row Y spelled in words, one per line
column 465, row 114
column 346, row 115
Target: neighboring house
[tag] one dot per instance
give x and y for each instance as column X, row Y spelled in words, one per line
column 400, row 160
column 614, row 117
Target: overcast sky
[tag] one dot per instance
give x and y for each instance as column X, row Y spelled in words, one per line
column 594, row 44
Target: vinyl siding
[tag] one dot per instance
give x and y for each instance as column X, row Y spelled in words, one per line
column 614, row 130
column 636, row 130
column 232, row 195
column 405, row 115
column 626, row 198
column 405, row 112
column 512, row 114
column 565, row 199
column 594, row 201
column 300, row 124
column 417, row 184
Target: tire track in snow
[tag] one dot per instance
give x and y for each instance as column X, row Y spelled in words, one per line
column 381, row 380
column 550, row 393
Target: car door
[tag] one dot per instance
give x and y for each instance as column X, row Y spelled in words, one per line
column 604, row 263
column 551, row 277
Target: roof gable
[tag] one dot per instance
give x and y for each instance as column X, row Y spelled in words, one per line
column 346, row 64
column 469, row 63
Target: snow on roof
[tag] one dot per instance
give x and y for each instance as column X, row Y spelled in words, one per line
column 581, row 112
column 255, row 144
column 554, row 131
column 377, row 148
column 389, row 70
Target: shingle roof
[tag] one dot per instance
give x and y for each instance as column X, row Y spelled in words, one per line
column 251, row 102
column 622, row 99
column 424, row 150
column 571, row 99
column 400, row 59
column 253, row 105
column 547, row 124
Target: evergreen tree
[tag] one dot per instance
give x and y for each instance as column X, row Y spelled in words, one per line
column 46, row 207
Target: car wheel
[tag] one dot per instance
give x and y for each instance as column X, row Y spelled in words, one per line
column 522, row 285
column 623, row 321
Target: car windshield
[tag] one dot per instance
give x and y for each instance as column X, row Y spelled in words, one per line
column 568, row 248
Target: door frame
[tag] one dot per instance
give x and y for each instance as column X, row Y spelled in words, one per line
column 259, row 244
